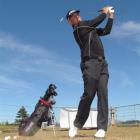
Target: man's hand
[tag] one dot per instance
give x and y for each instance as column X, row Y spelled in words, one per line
column 111, row 12
column 108, row 10
column 105, row 10
column 111, row 15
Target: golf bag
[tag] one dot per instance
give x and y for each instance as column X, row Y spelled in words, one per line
column 43, row 112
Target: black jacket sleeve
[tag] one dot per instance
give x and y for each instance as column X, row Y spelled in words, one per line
column 95, row 22
column 107, row 29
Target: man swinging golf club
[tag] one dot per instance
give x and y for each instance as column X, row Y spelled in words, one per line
column 94, row 67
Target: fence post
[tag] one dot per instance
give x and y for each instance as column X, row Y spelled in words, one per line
column 135, row 114
column 113, row 114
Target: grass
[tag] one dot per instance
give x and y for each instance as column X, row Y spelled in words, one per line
column 114, row 133
column 8, row 128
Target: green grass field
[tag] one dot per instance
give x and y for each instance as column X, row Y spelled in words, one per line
column 114, row 133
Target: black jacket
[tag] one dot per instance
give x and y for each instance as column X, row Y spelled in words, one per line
column 87, row 36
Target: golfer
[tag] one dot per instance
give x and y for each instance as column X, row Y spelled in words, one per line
column 94, row 67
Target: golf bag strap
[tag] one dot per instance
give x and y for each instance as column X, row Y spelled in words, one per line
column 44, row 102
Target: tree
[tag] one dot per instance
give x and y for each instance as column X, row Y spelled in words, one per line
column 21, row 115
column 6, row 123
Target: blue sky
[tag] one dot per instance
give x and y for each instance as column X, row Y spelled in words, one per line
column 36, row 50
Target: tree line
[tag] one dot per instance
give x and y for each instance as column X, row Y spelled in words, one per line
column 20, row 116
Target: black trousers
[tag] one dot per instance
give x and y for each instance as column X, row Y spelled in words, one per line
column 95, row 76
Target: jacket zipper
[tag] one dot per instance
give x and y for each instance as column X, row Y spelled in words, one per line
column 80, row 39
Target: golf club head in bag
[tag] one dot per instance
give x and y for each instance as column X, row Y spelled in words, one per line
column 32, row 124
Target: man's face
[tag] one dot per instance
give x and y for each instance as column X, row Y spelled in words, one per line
column 74, row 19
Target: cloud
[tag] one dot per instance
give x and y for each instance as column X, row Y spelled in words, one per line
column 38, row 60
column 10, row 82
column 8, row 41
column 50, row 68
column 137, row 50
column 129, row 29
column 121, row 79
column 126, row 82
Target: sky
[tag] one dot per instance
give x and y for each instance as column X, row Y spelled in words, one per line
column 36, row 49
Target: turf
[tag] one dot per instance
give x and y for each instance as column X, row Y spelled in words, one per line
column 113, row 133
